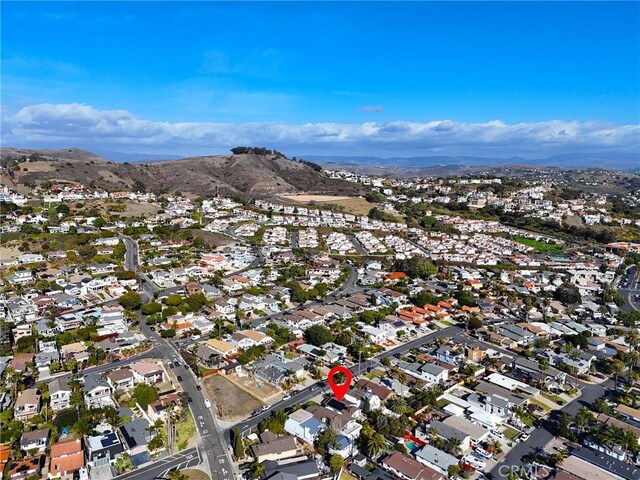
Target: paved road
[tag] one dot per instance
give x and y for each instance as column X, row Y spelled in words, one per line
column 359, row 247
column 159, row 469
column 211, row 448
column 543, row 435
column 631, row 280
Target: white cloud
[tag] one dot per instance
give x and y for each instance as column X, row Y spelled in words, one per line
column 77, row 124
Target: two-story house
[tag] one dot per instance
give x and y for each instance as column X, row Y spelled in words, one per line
column 59, row 394
column 147, row 372
column 27, row 404
column 97, row 391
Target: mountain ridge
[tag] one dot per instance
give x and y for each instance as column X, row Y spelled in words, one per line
column 245, row 174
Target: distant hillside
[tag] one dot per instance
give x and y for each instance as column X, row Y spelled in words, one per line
column 610, row 160
column 249, row 174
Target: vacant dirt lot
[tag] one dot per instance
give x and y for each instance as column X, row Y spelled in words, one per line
column 231, row 402
column 355, row 205
column 214, row 239
column 259, row 389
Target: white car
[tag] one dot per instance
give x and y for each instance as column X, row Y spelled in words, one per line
column 474, row 462
column 207, row 403
column 524, row 437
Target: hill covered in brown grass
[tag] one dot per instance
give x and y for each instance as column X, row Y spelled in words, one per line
column 251, row 174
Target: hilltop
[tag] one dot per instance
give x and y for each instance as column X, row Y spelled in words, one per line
column 256, row 173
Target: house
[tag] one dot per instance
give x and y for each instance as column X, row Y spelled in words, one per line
column 445, row 431
column 21, row 362
column 298, row 468
column 67, row 458
column 192, row 288
column 303, row 425
column 160, row 409
column 274, row 448
column 450, row 355
column 104, row 445
column 97, row 391
column 407, row 468
column 435, row 459
column 136, row 437
column 121, row 380
column 35, row 440
column 147, row 372
column 59, row 394
column 221, row 347
column 249, row 338
column 603, row 462
column 42, row 360
column 428, row 372
column 476, row 434
column 26, row 468
column 27, row 405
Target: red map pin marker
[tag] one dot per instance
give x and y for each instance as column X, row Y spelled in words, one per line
column 340, row 390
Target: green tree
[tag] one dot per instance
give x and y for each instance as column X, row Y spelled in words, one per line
column 568, row 294
column 335, row 463
column 318, row 335
column 256, row 469
column 130, row 300
column 238, row 445
column 173, row 300
column 151, row 308
column 325, row 441
column 376, row 445
column 145, row 394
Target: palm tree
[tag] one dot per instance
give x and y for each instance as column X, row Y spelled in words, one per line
column 376, row 445
column 583, row 418
column 113, row 417
column 453, row 445
column 617, row 367
column 497, row 446
column 633, row 361
column 155, row 426
column 399, row 405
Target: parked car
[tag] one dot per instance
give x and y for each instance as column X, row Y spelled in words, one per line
column 207, row 403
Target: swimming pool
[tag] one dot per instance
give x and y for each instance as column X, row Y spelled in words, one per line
column 412, row 447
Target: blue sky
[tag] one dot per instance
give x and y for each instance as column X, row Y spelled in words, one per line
column 413, row 78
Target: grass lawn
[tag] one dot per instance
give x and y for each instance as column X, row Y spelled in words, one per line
column 510, row 433
column 185, row 429
column 345, row 475
column 554, row 398
column 194, row 474
column 203, row 370
column 543, row 406
column 542, row 247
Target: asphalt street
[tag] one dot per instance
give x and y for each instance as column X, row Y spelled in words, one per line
column 211, row 447
column 629, row 287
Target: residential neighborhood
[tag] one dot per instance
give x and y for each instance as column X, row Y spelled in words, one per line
column 478, row 349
